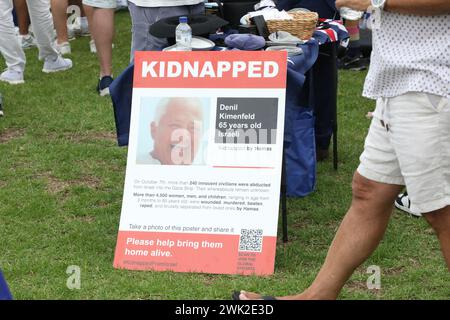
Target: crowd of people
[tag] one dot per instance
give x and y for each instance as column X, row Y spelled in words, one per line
column 409, row 76
column 45, row 24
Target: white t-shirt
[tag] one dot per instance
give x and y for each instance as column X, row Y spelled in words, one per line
column 164, row 3
column 409, row 54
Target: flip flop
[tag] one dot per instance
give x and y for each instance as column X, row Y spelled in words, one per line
column 235, row 296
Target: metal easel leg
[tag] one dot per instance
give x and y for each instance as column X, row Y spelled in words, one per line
column 283, row 198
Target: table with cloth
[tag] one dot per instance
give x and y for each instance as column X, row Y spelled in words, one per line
column 299, row 142
column 300, row 156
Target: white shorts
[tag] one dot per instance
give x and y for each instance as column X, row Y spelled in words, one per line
column 104, row 4
column 409, row 144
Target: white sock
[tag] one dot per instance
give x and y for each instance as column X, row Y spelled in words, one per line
column 83, row 22
column 26, row 36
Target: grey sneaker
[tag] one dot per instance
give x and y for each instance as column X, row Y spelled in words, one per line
column 404, row 204
column 12, row 76
column 55, row 65
column 27, row 41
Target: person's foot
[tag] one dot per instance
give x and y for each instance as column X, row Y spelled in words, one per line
column 404, row 204
column 63, row 48
column 12, row 76
column 244, row 295
column 92, row 46
column 55, row 65
column 27, row 41
column 103, row 85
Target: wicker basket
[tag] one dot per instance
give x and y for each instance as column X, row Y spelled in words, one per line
column 302, row 25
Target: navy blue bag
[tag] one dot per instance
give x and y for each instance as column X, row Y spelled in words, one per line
column 121, row 91
column 299, row 138
column 300, row 153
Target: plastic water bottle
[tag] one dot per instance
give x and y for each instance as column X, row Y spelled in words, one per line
column 183, row 35
column 365, row 23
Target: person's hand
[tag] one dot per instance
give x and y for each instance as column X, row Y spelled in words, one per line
column 360, row 5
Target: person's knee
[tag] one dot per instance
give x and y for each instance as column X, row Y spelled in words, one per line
column 377, row 195
column 363, row 189
column 439, row 220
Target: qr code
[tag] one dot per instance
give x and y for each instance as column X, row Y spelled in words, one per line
column 251, row 240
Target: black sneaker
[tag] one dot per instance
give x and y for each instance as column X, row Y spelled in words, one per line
column 404, row 204
column 103, row 85
column 1, row 106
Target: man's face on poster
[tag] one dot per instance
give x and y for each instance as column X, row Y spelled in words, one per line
column 177, row 134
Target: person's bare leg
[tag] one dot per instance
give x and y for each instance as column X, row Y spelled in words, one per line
column 80, row 4
column 88, row 11
column 358, row 236
column 23, row 18
column 59, row 13
column 77, row 3
column 101, row 25
column 440, row 222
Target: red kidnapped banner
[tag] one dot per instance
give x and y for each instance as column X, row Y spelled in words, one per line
column 210, row 69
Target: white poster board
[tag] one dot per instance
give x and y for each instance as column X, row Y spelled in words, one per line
column 204, row 162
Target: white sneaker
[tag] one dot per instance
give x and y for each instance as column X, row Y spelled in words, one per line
column 404, row 204
column 92, row 46
column 27, row 41
column 12, row 76
column 55, row 65
column 121, row 5
column 63, row 48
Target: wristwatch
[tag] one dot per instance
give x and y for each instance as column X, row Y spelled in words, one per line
column 378, row 4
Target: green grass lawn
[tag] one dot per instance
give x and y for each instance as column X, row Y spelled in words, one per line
column 61, row 180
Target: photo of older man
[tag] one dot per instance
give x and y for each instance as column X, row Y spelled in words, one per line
column 176, row 131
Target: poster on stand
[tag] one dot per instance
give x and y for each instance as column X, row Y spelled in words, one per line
column 203, row 174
